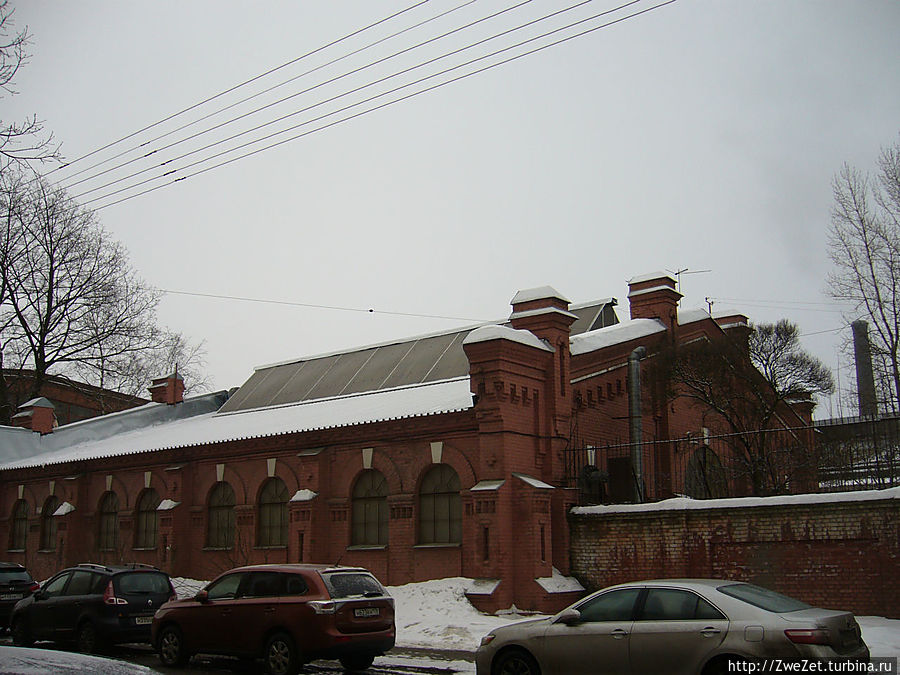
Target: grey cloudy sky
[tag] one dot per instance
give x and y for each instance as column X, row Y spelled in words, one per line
column 703, row 135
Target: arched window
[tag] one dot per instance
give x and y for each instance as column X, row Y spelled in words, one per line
column 273, row 513
column 146, row 522
column 48, row 524
column 19, row 528
column 108, row 522
column 370, row 514
column 440, row 507
column 220, row 527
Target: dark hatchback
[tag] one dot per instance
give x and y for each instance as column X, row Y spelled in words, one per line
column 92, row 606
column 15, row 584
column 285, row 614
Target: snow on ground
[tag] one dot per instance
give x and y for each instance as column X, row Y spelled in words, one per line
column 22, row 661
column 436, row 615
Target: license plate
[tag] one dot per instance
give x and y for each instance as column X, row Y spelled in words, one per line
column 366, row 611
column 11, row 596
column 143, row 620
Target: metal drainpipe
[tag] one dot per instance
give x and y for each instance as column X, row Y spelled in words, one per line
column 635, row 419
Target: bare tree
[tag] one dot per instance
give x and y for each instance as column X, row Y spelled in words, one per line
column 747, row 389
column 864, row 245
column 21, row 143
column 70, row 303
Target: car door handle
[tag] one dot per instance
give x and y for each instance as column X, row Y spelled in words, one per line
column 618, row 633
column 226, row 612
column 269, row 610
column 709, row 631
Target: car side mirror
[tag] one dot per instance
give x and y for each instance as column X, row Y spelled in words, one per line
column 569, row 617
column 202, row 596
column 39, row 595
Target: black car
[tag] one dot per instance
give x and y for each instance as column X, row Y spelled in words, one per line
column 93, row 606
column 15, row 584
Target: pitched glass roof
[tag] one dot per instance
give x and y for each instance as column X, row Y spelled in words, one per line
column 418, row 360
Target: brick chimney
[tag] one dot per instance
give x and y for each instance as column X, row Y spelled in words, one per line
column 168, row 389
column 653, row 296
column 37, row 415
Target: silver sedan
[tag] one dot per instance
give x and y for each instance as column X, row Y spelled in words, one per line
column 671, row 626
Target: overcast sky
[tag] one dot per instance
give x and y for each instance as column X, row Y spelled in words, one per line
column 702, row 135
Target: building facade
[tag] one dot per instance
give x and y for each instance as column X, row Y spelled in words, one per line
column 440, row 456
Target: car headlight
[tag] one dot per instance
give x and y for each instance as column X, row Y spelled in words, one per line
column 487, row 639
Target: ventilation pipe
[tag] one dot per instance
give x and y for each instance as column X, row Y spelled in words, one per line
column 635, row 420
column 865, row 378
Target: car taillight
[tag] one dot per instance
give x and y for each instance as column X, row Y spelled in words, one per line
column 35, row 586
column 322, row 606
column 109, row 596
column 807, row 636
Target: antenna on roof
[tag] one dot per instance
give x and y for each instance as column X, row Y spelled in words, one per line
column 683, row 270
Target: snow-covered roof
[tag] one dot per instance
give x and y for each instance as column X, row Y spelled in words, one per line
column 686, row 503
column 542, row 310
column 558, row 583
column 650, row 277
column 539, row 293
column 532, row 481
column 488, row 333
column 304, row 495
column 411, row 401
column 687, row 316
column 625, row 331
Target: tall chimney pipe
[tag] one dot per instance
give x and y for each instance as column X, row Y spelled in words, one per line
column 865, row 377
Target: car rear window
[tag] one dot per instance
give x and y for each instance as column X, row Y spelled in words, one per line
column 349, row 584
column 763, row 598
column 8, row 576
column 143, row 582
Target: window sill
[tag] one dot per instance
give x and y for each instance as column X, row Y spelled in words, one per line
column 269, row 548
column 144, row 549
column 367, row 547
column 46, row 550
column 15, row 550
column 447, row 545
column 217, row 548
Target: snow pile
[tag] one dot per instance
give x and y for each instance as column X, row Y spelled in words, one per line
column 24, row 661
column 882, row 635
column 437, row 615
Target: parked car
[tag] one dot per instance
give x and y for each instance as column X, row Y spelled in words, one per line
column 92, row 606
column 671, row 626
column 15, row 584
column 285, row 614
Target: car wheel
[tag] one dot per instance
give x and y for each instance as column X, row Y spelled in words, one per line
column 281, row 656
column 354, row 662
column 21, row 634
column 171, row 647
column 516, row 662
column 86, row 641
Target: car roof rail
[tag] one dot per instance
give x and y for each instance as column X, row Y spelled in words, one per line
column 95, row 566
column 140, row 566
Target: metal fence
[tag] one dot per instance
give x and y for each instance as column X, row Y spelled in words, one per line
column 833, row 455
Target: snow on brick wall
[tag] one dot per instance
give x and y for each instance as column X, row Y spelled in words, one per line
column 842, row 554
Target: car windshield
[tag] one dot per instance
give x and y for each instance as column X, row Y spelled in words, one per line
column 143, row 582
column 345, row 585
column 9, row 576
column 763, row 598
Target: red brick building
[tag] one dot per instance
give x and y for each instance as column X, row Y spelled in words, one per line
column 443, row 455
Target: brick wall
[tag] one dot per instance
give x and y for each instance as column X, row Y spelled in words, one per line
column 838, row 554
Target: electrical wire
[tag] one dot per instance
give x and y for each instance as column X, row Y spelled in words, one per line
column 384, row 105
column 306, row 109
column 242, row 84
column 369, row 310
column 245, row 100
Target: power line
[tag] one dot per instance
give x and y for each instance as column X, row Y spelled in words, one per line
column 245, row 100
column 242, row 84
column 384, row 105
column 307, row 108
column 369, row 310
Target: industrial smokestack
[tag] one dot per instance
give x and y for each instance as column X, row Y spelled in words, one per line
column 865, row 377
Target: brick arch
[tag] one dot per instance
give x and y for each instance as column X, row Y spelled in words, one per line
column 158, row 482
column 284, row 471
column 450, row 456
column 205, row 485
column 118, row 486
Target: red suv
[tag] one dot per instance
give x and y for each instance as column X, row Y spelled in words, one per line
column 285, row 614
